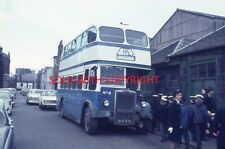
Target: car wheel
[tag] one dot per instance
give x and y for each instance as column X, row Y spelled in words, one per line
column 90, row 124
column 144, row 126
column 61, row 110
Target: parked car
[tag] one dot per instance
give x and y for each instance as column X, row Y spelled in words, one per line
column 13, row 91
column 33, row 96
column 24, row 91
column 6, row 129
column 47, row 99
column 5, row 97
column 10, row 91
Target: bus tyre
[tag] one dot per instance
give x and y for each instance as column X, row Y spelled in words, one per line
column 143, row 126
column 90, row 124
column 61, row 110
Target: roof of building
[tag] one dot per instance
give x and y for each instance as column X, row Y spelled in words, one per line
column 213, row 40
column 211, row 16
column 162, row 55
column 201, row 14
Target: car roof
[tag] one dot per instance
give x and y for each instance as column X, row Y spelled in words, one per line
column 4, row 91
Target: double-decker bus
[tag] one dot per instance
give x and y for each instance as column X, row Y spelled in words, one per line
column 100, row 73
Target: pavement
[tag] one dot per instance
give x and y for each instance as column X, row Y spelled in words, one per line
column 37, row 129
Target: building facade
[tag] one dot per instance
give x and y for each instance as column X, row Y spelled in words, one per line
column 56, row 61
column 192, row 65
column 4, row 68
column 45, row 75
column 25, row 76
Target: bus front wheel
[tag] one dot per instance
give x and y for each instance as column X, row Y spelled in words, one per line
column 143, row 126
column 90, row 124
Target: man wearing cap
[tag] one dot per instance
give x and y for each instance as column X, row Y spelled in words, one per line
column 154, row 104
column 185, row 123
column 192, row 128
column 199, row 119
column 174, row 120
column 163, row 117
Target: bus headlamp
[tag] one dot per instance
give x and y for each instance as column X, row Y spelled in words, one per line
column 106, row 103
column 144, row 104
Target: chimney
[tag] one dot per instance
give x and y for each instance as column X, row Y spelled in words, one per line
column 60, row 49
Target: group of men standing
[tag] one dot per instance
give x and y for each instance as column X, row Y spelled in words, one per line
column 178, row 118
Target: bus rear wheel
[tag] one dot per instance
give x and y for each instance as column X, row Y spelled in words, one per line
column 61, row 110
column 90, row 124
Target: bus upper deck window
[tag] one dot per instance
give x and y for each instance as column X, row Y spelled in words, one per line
column 136, row 38
column 111, row 34
column 92, row 34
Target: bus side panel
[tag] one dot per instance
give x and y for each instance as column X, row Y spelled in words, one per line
column 76, row 103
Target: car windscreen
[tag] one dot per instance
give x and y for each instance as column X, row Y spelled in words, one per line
column 4, row 95
column 2, row 118
column 48, row 93
column 136, row 38
column 111, row 34
column 112, row 75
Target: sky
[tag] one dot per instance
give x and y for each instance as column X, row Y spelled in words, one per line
column 32, row 29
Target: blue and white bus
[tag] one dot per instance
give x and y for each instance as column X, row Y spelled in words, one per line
column 89, row 66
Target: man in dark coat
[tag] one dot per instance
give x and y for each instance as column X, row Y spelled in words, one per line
column 211, row 107
column 163, row 117
column 219, row 126
column 208, row 100
column 200, row 116
column 154, row 104
column 174, row 119
column 185, row 123
column 191, row 107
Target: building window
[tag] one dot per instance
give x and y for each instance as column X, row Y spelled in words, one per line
column 202, row 70
column 211, row 67
column 194, row 72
